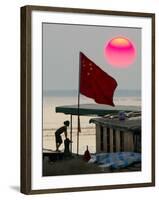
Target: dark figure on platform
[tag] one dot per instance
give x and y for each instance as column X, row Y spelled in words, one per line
column 58, row 133
column 87, row 155
column 67, row 152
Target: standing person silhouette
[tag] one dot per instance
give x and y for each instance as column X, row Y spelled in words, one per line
column 58, row 133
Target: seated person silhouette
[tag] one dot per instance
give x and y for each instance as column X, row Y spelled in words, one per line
column 58, row 134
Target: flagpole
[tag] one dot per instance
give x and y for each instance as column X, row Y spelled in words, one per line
column 78, row 105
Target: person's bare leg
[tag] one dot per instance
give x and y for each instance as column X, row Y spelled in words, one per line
column 57, row 146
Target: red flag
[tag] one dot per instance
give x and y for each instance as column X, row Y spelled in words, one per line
column 95, row 83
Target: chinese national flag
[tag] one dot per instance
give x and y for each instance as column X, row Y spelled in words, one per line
column 95, row 83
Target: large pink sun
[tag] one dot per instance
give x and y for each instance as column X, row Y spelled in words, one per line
column 120, row 52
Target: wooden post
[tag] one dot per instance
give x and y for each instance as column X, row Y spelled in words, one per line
column 98, row 138
column 105, row 138
column 78, row 104
column 126, row 141
column 71, row 131
column 130, row 141
column 117, row 140
column 111, row 140
column 78, row 135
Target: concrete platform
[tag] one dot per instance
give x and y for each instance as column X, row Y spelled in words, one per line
column 53, row 155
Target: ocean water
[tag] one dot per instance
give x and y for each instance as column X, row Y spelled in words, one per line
column 53, row 120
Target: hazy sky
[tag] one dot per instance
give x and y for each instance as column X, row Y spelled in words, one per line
column 61, row 47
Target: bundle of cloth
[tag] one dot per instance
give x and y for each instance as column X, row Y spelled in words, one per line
column 116, row 160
